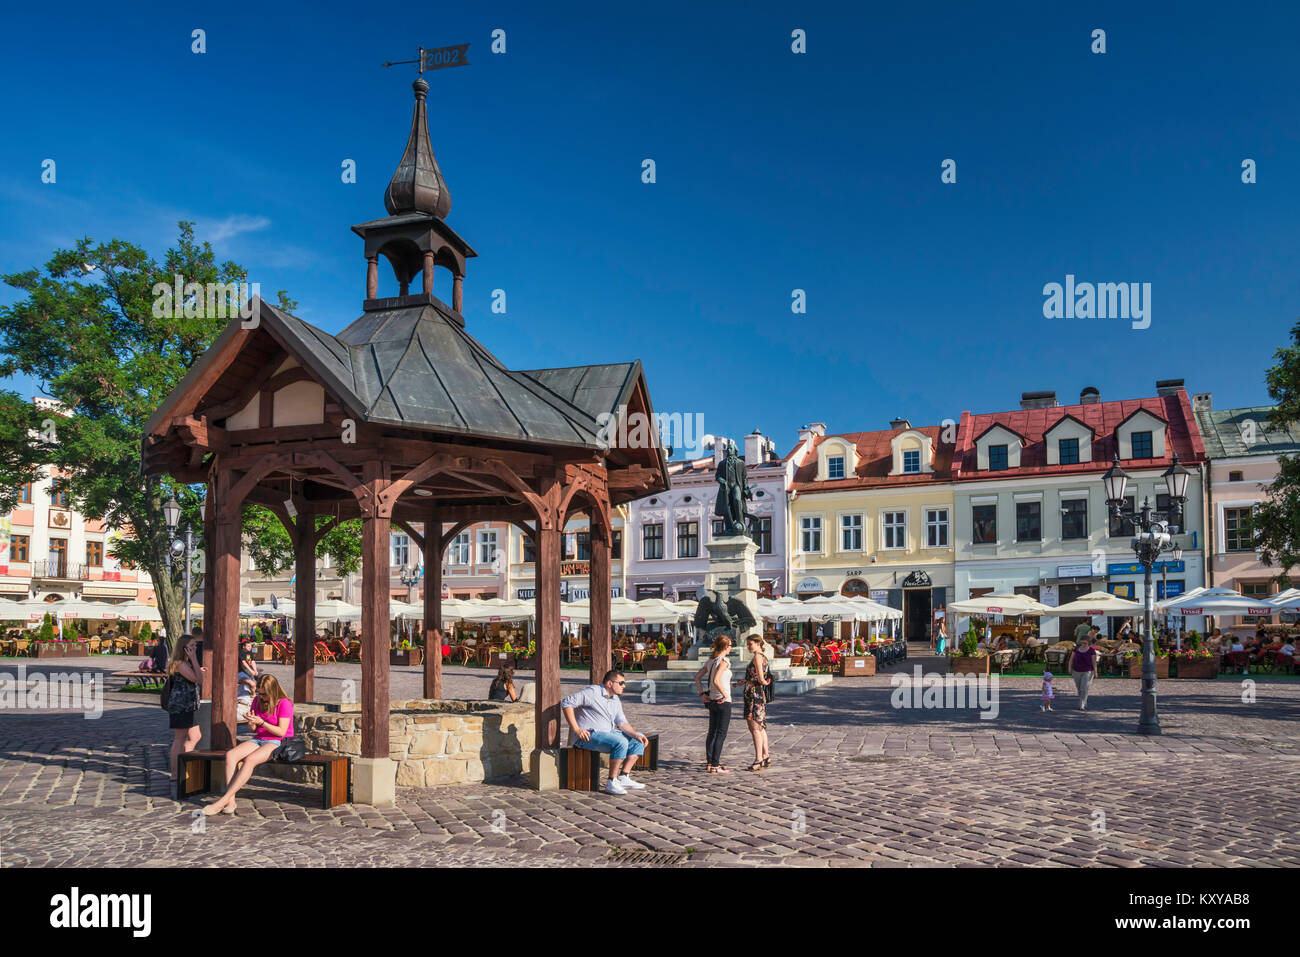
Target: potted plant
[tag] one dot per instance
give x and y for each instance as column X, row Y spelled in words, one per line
column 857, row 662
column 1195, row 663
column 1135, row 664
column 659, row 660
column 528, row 662
column 970, row 660
column 404, row 654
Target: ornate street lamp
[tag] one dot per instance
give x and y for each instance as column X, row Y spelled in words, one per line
column 179, row 549
column 1153, row 534
column 409, row 576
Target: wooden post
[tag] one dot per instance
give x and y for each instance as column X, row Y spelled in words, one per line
column 304, row 650
column 432, row 603
column 372, row 277
column 601, row 652
column 221, row 659
column 457, row 293
column 375, row 703
column 428, row 273
column 548, row 622
column 209, row 603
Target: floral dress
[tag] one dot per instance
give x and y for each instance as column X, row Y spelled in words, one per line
column 755, row 698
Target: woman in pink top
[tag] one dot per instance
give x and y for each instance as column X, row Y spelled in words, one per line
column 271, row 718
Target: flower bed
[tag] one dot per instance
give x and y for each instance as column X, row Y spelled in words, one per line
column 1202, row 665
column 60, row 649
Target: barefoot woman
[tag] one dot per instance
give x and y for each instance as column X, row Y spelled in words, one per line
column 271, row 718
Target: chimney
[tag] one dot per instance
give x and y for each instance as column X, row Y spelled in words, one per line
column 808, row 432
column 1168, row 386
column 719, row 450
column 1089, row 396
column 899, row 425
column 1202, row 402
column 754, row 446
column 1037, row 400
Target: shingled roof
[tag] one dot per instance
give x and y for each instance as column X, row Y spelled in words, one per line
column 1225, row 431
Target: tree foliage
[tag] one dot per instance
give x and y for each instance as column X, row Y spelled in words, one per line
column 1276, row 520
column 271, row 550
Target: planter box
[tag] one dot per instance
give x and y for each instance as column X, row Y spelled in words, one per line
column 857, row 666
column 405, row 656
column 502, row 659
column 137, row 648
column 1135, row 668
column 264, row 653
column 1198, row 668
column 961, row 665
column 656, row 662
column 526, row 664
column 60, row 649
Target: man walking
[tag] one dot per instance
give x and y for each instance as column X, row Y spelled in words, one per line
column 597, row 723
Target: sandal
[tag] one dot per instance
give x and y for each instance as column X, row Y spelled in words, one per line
column 756, row 766
column 721, row 769
column 767, row 762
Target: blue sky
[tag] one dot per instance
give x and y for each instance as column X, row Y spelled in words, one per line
column 775, row 172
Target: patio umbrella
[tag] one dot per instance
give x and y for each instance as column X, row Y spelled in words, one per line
column 1098, row 603
column 282, row 609
column 137, row 611
column 788, row 608
column 998, row 605
column 496, row 609
column 1216, row 601
column 333, row 609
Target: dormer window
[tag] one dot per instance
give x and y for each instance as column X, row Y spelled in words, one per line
column 835, row 467
column 911, row 461
column 1068, row 451
column 1142, row 445
column 997, row 458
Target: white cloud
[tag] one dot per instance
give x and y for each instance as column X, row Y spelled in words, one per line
column 220, row 230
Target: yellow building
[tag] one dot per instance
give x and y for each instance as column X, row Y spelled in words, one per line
column 871, row 513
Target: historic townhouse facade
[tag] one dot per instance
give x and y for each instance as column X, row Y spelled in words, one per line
column 668, row 534
column 1030, row 508
column 575, row 560
column 871, row 513
column 1243, row 451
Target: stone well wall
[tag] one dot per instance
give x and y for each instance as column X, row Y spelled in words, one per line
column 433, row 742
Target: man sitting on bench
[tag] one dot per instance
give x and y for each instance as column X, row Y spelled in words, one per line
column 597, row 723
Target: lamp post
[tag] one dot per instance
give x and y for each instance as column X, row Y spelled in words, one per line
column 1154, row 531
column 179, row 548
column 409, row 576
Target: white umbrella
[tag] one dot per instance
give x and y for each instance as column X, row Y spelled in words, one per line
column 787, row 608
column 137, row 611
column 285, row 609
column 998, row 605
column 1216, row 601
column 1098, row 603
column 334, row 610
column 496, row 609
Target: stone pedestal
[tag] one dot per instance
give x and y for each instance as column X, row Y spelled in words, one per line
column 544, row 769
column 374, row 781
column 731, row 574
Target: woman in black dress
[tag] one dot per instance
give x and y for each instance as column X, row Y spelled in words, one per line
column 758, row 679
column 503, row 685
column 183, row 701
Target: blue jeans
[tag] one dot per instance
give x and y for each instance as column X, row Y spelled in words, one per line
column 614, row 743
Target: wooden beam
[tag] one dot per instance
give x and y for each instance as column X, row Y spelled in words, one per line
column 432, row 545
column 304, row 628
column 599, row 600
column 415, row 536
column 547, row 712
column 223, row 565
column 375, row 703
column 245, row 395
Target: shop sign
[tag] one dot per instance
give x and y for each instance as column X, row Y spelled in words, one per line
column 523, row 593
column 575, row 568
column 1135, row 568
column 1074, row 571
column 917, row 579
column 880, row 595
column 810, row 584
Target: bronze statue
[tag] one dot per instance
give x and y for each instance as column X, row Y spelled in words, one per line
column 734, row 481
column 713, row 616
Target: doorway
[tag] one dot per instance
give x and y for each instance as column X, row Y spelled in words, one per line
column 918, row 614
column 1068, row 594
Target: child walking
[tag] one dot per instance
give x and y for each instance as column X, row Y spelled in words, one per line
column 1048, row 694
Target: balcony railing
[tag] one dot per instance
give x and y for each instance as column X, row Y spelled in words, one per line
column 61, row 569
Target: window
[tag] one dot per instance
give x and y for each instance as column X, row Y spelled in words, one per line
column 399, row 551
column 18, row 547
column 460, row 548
column 569, row 548
column 58, row 564
column 1069, row 451
column 1074, row 518
column 95, row 554
column 984, row 524
column 1232, row 477
column 616, row 545
column 487, row 547
column 1236, row 530
column 688, row 539
column 530, row 550
column 810, row 539
column 1141, row 445
column 936, row 527
column 835, row 467
column 652, row 541
column 895, row 529
column 25, row 493
column 1029, row 521
column 761, row 534
column 850, row 533
column 717, row 528
column 584, row 546
column 59, row 493
column 1122, row 527
column 997, row 458
column 912, row 460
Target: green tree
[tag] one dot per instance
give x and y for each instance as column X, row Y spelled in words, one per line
column 271, row 550
column 47, row 629
column 86, row 329
column 1276, row 520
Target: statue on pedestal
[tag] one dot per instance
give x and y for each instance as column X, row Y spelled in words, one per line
column 733, row 478
column 713, row 616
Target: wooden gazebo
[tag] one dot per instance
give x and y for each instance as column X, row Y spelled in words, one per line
column 402, row 418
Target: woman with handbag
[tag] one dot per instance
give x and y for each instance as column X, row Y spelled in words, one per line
column 271, row 718
column 758, row 691
column 180, row 697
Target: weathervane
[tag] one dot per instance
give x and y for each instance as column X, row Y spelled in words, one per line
column 439, row 59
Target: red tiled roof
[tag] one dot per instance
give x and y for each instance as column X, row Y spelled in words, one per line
column 875, row 458
column 1103, row 418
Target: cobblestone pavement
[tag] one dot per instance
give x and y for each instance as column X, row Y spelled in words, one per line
column 855, row 781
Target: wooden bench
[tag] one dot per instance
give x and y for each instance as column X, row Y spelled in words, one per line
column 580, row 769
column 148, row 679
column 196, row 774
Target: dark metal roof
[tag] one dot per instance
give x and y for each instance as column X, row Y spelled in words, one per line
column 415, row 366
column 594, row 389
column 1225, row 432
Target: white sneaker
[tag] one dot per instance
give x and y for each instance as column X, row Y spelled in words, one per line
column 629, row 784
column 613, row 787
